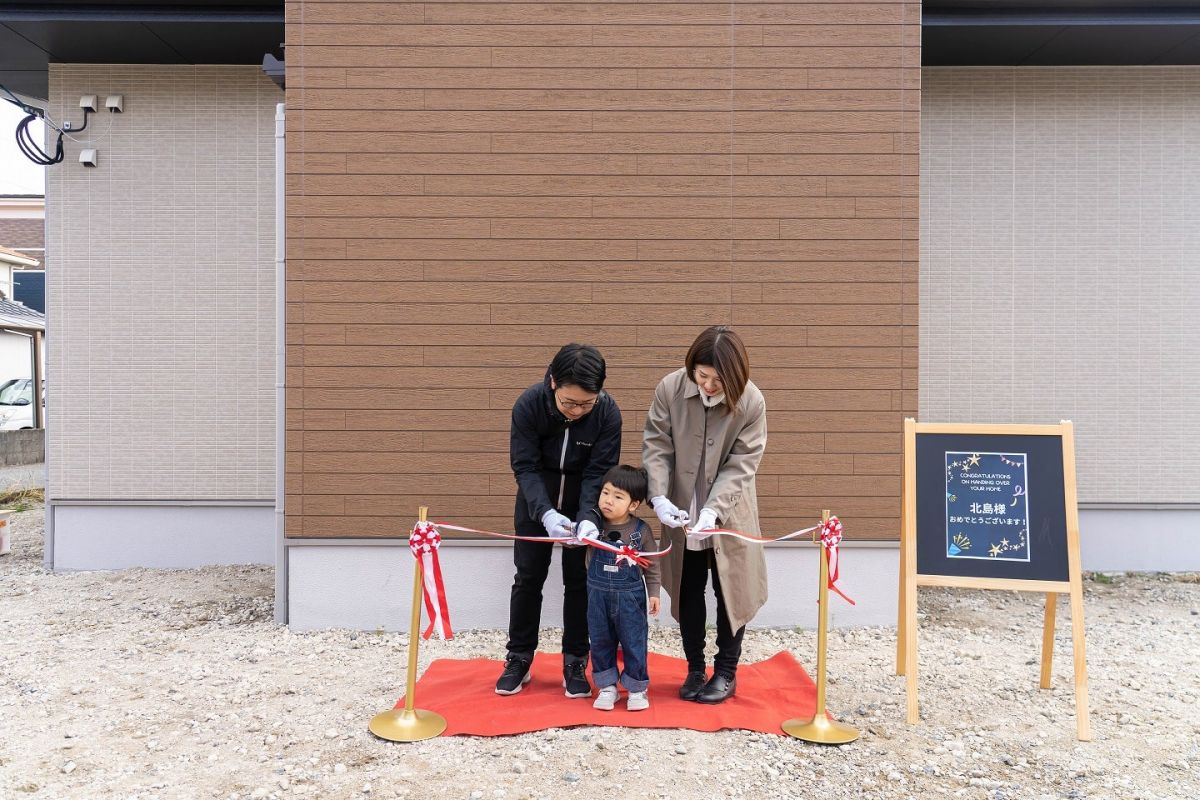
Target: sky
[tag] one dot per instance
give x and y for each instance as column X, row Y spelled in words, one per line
column 18, row 175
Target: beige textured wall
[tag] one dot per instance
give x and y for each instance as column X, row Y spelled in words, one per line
column 161, row 300
column 1060, row 257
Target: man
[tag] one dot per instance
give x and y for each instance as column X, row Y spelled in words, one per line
column 565, row 435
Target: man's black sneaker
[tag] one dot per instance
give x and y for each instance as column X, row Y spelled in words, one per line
column 574, row 680
column 515, row 675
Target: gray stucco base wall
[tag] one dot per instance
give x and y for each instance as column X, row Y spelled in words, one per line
column 367, row 584
column 1140, row 540
column 163, row 536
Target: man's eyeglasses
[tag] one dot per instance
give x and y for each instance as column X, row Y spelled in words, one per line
column 573, row 404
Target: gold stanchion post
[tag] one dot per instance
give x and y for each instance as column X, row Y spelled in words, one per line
column 820, row 729
column 410, row 724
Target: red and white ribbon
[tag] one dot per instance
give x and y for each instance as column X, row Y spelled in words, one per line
column 830, row 534
column 547, row 539
column 746, row 537
column 831, row 537
column 624, row 552
column 424, row 542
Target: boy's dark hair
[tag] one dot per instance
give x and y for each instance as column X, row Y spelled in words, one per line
column 580, row 365
column 631, row 480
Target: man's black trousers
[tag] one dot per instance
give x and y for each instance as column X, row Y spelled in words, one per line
column 532, row 560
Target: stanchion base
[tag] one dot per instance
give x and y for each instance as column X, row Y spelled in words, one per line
column 402, row 725
column 820, row 730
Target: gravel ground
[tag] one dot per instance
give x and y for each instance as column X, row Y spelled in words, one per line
column 177, row 684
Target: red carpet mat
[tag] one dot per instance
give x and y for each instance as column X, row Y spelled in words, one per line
column 463, row 691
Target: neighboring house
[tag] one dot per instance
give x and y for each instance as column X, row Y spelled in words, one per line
column 23, row 224
column 467, row 187
column 18, row 328
column 12, row 260
column 29, row 288
column 23, row 230
column 19, row 325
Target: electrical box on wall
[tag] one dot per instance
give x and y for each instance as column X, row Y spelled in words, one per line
column 87, row 157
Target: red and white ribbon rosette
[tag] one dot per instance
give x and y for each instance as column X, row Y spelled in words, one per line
column 626, row 553
column 424, row 542
column 631, row 555
column 831, row 537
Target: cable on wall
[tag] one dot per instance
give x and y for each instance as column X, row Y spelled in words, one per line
column 25, row 139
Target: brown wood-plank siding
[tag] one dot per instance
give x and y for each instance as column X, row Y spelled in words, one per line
column 471, row 185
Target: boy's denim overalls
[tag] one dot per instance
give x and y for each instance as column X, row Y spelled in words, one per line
column 617, row 615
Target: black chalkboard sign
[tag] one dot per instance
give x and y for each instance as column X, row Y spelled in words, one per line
column 991, row 507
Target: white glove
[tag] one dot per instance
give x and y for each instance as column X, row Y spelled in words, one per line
column 706, row 520
column 557, row 525
column 668, row 514
column 586, row 530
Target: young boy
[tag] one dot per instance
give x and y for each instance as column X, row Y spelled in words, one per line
column 619, row 592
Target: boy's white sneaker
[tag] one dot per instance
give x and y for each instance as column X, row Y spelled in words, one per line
column 638, row 701
column 606, row 699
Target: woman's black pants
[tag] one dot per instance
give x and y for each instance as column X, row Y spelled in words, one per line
column 697, row 564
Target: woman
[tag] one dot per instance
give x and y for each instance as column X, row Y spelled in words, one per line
column 704, row 438
column 565, row 434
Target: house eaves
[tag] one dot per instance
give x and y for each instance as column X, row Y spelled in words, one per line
column 17, row 259
column 1060, row 33
column 36, row 34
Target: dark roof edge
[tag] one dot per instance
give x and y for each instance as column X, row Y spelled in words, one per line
column 1056, row 17
column 175, row 12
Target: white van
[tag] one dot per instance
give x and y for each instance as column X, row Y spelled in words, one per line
column 16, row 404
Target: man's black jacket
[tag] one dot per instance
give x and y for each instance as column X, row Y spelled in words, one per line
column 558, row 463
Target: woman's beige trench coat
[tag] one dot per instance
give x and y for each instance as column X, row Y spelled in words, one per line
column 735, row 443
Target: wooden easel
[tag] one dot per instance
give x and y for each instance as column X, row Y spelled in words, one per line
column 910, row 580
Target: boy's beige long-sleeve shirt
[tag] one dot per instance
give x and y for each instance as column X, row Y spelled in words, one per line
column 652, row 573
